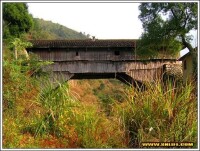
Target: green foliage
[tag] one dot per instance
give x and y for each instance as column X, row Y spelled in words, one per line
column 167, row 34
column 16, row 75
column 181, row 17
column 54, row 101
column 19, row 47
column 35, row 66
column 156, row 43
column 16, row 19
column 107, row 99
column 14, row 82
column 48, row 30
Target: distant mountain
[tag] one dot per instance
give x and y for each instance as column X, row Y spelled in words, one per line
column 48, row 30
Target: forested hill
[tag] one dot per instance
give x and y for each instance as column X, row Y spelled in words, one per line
column 48, row 30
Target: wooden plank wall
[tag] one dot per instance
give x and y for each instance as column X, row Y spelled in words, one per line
column 141, row 71
column 147, row 75
column 102, row 60
column 70, row 54
column 105, row 66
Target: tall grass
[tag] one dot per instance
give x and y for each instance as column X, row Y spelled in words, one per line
column 72, row 124
column 160, row 114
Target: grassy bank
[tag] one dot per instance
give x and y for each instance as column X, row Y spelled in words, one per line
column 160, row 114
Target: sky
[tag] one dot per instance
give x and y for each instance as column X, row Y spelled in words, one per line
column 102, row 20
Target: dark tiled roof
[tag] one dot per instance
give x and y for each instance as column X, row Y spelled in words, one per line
column 82, row 43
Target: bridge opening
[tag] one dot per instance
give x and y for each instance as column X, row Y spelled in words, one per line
column 120, row 76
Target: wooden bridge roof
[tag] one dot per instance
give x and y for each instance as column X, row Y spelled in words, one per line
column 83, row 43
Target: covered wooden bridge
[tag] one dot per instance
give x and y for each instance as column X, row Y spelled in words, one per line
column 98, row 59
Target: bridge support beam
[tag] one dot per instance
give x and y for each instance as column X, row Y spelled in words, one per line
column 123, row 77
column 60, row 77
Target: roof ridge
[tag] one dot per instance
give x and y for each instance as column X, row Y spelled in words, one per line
column 83, row 43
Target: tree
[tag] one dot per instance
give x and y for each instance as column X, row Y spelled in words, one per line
column 167, row 25
column 16, row 19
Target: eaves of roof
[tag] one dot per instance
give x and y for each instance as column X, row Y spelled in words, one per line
column 82, row 43
column 183, row 57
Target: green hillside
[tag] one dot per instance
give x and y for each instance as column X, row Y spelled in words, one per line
column 43, row 29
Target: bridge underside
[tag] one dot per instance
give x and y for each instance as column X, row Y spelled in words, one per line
column 122, row 76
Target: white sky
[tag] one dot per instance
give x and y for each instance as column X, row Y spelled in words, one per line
column 102, row 20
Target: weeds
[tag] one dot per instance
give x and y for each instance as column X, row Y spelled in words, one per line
column 78, row 126
column 54, row 102
column 160, row 114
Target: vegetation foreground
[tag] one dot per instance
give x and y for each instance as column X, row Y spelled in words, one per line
column 91, row 114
